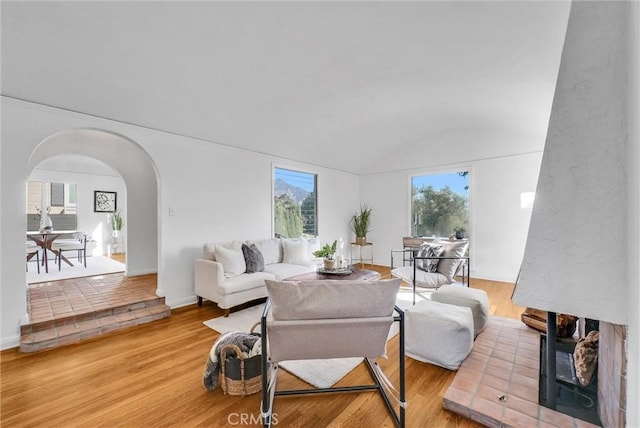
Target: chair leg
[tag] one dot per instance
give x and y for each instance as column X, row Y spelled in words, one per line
column 59, row 258
column 37, row 254
column 84, row 257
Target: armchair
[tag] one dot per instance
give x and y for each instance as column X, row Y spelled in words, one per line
column 434, row 264
column 331, row 319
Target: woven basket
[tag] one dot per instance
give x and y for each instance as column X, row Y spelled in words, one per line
column 240, row 376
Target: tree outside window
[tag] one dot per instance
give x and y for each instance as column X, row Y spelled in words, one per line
column 440, row 204
column 295, row 203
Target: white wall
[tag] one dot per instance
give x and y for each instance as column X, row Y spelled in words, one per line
column 96, row 225
column 217, row 193
column 582, row 203
column 633, row 262
column 498, row 226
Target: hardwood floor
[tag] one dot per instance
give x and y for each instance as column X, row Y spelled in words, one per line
column 151, row 376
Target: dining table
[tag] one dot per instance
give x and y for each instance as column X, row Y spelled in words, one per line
column 45, row 239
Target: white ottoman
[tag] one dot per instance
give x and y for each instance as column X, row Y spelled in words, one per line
column 472, row 298
column 438, row 333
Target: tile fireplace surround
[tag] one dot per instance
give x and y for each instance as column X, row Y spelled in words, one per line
column 497, row 385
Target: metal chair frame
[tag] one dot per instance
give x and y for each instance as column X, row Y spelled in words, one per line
column 464, row 265
column 82, row 250
column 378, row 384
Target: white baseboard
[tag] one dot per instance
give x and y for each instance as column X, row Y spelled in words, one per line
column 184, row 301
column 141, row 272
column 9, row 342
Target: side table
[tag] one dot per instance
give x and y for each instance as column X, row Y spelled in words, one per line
column 361, row 259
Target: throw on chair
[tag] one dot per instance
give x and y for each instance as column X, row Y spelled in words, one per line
column 331, row 319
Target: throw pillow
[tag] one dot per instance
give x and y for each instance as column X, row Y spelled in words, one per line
column 313, row 244
column 252, row 258
column 232, row 261
column 449, row 267
column 294, row 251
column 271, row 250
column 429, row 250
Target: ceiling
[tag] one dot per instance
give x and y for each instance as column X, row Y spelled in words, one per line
column 364, row 87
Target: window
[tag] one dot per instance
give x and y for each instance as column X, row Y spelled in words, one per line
column 59, row 199
column 440, row 204
column 295, row 205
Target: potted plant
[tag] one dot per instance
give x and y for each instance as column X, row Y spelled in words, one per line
column 326, row 252
column 459, row 230
column 116, row 223
column 361, row 224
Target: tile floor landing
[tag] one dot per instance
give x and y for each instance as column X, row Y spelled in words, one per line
column 497, row 385
column 67, row 311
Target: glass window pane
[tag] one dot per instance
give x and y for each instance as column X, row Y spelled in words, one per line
column 440, row 204
column 57, row 194
column 295, row 203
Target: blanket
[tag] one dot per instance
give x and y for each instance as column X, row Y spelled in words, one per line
column 249, row 343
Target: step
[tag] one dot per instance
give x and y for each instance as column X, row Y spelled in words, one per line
column 73, row 329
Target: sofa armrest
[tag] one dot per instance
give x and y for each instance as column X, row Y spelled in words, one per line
column 208, row 276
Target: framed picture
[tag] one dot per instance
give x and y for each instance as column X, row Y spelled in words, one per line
column 104, row 202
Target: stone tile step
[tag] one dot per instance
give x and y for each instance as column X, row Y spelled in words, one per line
column 89, row 314
column 64, row 334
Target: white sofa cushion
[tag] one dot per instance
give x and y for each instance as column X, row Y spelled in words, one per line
column 209, row 250
column 295, row 251
column 319, row 299
column 313, row 244
column 271, row 250
column 244, row 282
column 285, row 270
column 423, row 279
column 232, row 261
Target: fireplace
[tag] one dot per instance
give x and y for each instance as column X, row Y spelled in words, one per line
column 601, row 402
column 559, row 387
column 580, row 257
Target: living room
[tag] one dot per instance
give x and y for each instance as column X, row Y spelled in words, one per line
column 187, row 185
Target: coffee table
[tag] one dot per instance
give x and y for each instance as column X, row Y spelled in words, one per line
column 356, row 274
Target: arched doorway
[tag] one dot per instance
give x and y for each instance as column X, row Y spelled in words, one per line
column 68, row 186
column 139, row 174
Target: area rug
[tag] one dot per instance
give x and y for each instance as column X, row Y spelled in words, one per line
column 96, row 265
column 319, row 373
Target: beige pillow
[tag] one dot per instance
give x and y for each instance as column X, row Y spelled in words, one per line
column 232, row 261
column 448, row 267
column 319, row 299
column 209, row 250
column 294, row 251
column 271, row 250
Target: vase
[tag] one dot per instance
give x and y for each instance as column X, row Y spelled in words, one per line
column 329, row 264
column 361, row 240
column 45, row 223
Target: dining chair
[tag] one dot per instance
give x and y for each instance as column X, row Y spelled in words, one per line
column 78, row 243
column 33, row 249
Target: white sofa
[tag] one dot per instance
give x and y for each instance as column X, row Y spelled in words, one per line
column 220, row 275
